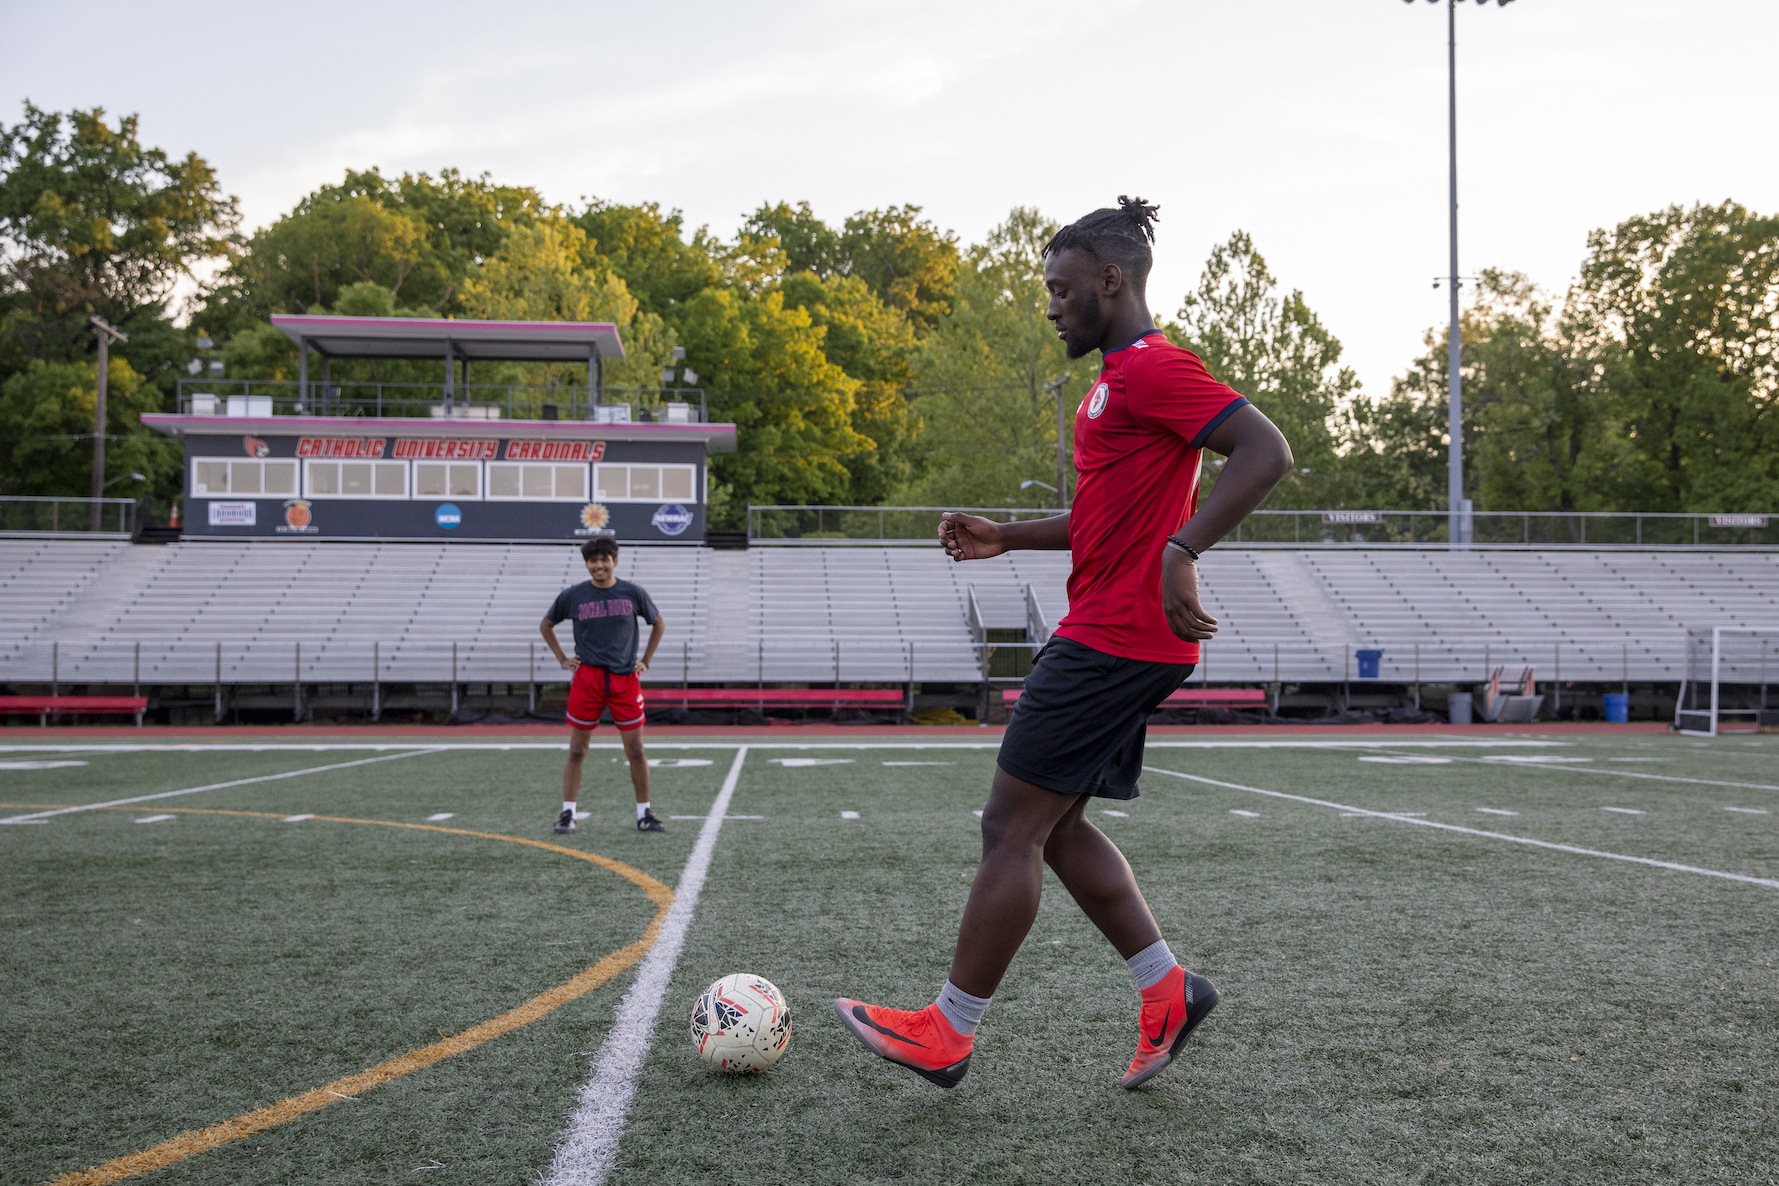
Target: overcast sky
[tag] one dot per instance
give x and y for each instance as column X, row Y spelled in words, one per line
column 1316, row 125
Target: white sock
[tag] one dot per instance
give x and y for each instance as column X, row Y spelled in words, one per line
column 568, row 806
column 642, row 809
column 962, row 1010
column 1148, row 966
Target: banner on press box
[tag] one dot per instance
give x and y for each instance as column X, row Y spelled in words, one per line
column 233, row 514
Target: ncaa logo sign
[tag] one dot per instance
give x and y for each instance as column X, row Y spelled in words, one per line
column 448, row 516
column 1097, row 404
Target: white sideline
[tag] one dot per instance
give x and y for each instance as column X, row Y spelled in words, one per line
column 215, row 786
column 587, row 1152
column 1442, row 742
column 1427, row 823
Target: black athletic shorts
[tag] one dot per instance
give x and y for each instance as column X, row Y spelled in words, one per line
column 1078, row 726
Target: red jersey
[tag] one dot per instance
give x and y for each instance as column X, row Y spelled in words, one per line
column 1137, row 441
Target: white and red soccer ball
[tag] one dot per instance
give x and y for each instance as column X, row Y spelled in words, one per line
column 741, row 1024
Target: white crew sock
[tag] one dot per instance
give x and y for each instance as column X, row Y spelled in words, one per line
column 568, row 806
column 642, row 809
column 962, row 1010
column 1148, row 966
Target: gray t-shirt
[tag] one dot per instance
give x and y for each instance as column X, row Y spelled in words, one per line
column 605, row 622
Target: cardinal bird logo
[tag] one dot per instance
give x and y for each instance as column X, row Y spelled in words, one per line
column 256, row 447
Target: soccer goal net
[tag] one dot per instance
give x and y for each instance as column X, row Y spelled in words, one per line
column 1724, row 686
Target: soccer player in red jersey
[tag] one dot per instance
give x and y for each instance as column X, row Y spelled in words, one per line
column 1131, row 637
column 607, row 671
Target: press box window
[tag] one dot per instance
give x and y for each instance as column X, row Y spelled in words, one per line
column 210, row 478
column 355, row 479
column 441, row 479
column 644, row 483
column 537, row 483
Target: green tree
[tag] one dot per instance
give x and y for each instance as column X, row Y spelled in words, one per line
column 46, row 427
column 91, row 221
column 643, row 246
column 874, row 345
column 1275, row 351
column 988, row 423
column 762, row 362
column 808, row 243
column 420, row 237
column 908, row 262
column 1540, row 431
column 549, row 271
column 1691, row 297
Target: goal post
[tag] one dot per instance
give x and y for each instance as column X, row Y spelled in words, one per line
column 1724, row 680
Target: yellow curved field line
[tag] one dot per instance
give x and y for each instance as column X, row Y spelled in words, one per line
column 202, row 1140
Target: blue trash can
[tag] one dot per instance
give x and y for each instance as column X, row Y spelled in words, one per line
column 1618, row 708
column 1458, row 708
column 1368, row 663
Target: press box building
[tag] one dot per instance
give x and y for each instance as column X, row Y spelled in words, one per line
column 316, row 459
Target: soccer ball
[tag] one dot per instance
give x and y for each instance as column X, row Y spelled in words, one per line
column 741, row 1024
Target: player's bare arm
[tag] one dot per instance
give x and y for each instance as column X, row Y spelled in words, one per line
column 1258, row 457
column 971, row 537
column 548, row 629
column 648, row 655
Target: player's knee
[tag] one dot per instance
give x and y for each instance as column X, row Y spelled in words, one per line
column 1004, row 831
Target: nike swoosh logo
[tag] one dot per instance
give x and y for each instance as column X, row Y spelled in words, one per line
column 1165, row 1018
column 858, row 1011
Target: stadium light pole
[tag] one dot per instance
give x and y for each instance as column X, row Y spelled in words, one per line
column 1456, row 519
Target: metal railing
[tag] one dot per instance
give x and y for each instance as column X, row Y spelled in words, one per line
column 300, row 675
column 865, row 525
column 28, row 514
column 1593, row 530
column 476, row 401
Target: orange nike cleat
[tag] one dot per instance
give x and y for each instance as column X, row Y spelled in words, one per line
column 921, row 1040
column 1172, row 1009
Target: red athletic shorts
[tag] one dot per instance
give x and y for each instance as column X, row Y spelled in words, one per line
column 595, row 689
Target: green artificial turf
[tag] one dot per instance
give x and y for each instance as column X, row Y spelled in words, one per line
column 1401, row 1004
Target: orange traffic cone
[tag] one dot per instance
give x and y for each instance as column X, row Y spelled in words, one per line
column 175, row 520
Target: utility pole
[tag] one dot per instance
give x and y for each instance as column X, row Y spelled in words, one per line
column 106, row 334
column 1054, row 387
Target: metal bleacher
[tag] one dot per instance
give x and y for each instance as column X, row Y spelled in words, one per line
column 79, row 610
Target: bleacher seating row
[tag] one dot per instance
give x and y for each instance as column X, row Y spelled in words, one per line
column 81, row 609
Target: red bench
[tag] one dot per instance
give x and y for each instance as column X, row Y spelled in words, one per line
column 779, row 697
column 73, row 705
column 1190, row 696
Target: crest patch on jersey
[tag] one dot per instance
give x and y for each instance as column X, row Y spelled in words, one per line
column 1097, row 404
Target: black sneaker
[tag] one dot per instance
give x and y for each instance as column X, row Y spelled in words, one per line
column 648, row 823
column 565, row 823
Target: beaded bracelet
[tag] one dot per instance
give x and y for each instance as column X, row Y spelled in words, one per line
column 1184, row 547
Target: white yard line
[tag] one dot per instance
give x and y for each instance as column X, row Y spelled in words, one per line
column 215, row 786
column 1427, row 823
column 587, row 1152
column 1606, row 773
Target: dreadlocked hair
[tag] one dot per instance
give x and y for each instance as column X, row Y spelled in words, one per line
column 1118, row 235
